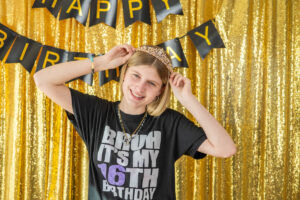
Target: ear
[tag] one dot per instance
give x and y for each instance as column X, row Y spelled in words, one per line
column 162, row 89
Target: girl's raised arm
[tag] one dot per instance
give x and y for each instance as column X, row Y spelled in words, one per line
column 219, row 142
column 51, row 80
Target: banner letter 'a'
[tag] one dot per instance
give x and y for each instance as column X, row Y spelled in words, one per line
column 78, row 9
column 174, row 49
column 24, row 51
column 205, row 37
column 136, row 10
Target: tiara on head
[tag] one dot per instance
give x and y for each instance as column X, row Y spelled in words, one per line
column 158, row 53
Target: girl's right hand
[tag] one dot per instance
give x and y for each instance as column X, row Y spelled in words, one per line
column 117, row 56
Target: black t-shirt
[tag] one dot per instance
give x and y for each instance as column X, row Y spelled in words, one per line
column 142, row 169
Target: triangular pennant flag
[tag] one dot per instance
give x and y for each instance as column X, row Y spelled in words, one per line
column 24, row 51
column 75, row 8
column 136, row 10
column 174, row 49
column 88, row 78
column 103, row 12
column 51, row 56
column 7, row 37
column 164, row 8
column 52, row 5
column 205, row 37
column 108, row 75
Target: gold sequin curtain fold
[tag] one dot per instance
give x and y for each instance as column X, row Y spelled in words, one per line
column 251, row 87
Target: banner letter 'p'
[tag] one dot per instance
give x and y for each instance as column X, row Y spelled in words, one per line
column 131, row 8
column 108, row 6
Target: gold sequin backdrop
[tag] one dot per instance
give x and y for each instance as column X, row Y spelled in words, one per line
column 251, row 87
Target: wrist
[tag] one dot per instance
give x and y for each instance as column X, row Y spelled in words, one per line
column 99, row 63
column 187, row 99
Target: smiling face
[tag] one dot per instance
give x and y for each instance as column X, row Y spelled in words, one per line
column 144, row 81
column 141, row 86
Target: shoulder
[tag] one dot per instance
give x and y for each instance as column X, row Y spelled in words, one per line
column 89, row 99
column 170, row 114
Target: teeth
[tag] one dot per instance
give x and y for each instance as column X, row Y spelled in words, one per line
column 136, row 95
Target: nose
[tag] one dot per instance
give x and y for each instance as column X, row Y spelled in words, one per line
column 140, row 87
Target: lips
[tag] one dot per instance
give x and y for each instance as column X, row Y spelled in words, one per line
column 135, row 96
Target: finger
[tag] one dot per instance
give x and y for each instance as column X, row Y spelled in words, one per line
column 172, row 76
column 177, row 77
column 129, row 48
column 178, row 80
column 181, row 82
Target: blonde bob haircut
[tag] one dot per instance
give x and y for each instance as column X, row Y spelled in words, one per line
column 159, row 105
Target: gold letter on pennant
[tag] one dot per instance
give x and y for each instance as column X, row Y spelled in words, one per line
column 103, row 9
column 76, row 8
column 166, row 4
column 53, row 3
column 204, row 36
column 24, row 51
column 51, row 61
column 131, row 9
column 174, row 54
column 2, row 39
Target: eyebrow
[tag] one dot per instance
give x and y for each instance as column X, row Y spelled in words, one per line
column 148, row 80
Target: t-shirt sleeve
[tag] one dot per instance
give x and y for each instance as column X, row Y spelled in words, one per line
column 189, row 137
column 88, row 111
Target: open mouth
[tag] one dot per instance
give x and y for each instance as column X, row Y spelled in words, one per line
column 136, row 96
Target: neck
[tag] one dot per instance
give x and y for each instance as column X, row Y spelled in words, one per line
column 131, row 110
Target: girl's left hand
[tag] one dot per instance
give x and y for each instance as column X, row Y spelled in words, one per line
column 181, row 86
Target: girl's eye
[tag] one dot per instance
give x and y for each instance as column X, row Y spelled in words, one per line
column 136, row 76
column 151, row 83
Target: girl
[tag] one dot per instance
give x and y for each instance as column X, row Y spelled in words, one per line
column 133, row 144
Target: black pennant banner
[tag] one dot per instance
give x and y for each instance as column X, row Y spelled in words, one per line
column 72, row 56
column 52, row 5
column 51, row 56
column 108, row 75
column 136, row 10
column 7, row 37
column 24, row 51
column 78, row 9
column 164, row 8
column 103, row 11
column 206, row 37
column 174, row 49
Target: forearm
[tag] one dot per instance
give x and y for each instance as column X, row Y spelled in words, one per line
column 64, row 72
column 216, row 134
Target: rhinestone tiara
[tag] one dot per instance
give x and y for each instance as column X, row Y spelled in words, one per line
column 158, row 53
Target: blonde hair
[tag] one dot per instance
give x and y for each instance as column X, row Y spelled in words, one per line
column 158, row 106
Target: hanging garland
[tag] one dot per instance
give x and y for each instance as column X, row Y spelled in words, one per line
column 105, row 11
column 25, row 51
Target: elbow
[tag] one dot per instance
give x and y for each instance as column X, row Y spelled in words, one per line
column 37, row 79
column 230, row 152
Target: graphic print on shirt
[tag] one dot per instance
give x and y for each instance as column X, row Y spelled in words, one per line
column 129, row 170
